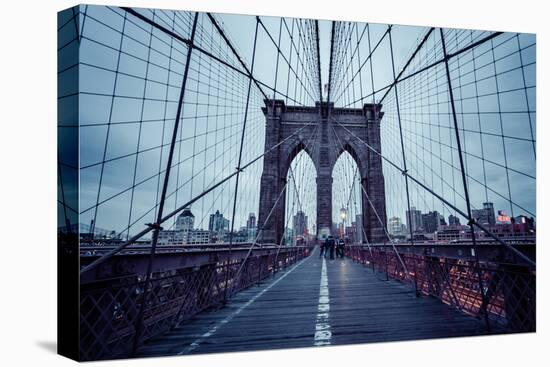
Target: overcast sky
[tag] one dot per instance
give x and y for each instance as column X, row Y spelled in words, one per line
column 128, row 103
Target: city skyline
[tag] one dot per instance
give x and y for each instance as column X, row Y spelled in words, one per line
column 395, row 225
column 487, row 217
column 217, row 171
column 114, row 162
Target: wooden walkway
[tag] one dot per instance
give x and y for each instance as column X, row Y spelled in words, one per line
column 315, row 303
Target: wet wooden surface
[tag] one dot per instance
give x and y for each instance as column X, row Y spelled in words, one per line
column 282, row 312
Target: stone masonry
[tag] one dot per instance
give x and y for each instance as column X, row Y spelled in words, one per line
column 324, row 133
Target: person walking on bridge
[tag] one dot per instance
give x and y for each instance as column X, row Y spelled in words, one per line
column 329, row 246
column 340, row 248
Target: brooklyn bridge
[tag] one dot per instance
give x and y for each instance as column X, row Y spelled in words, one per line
column 206, row 160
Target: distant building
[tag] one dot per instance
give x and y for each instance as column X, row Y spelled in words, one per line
column 505, row 231
column 454, row 220
column 218, row 226
column 218, row 223
column 299, row 223
column 430, row 222
column 197, row 237
column 240, row 236
column 509, row 230
column 171, row 237
column 85, row 232
column 414, row 220
column 251, row 221
column 449, row 233
column 503, row 218
column 289, row 236
column 421, row 237
column 522, row 219
column 185, row 220
column 251, row 227
column 396, row 228
column 252, row 233
column 485, row 216
column 178, row 236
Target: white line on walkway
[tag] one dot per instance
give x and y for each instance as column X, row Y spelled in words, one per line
column 322, row 326
column 230, row 317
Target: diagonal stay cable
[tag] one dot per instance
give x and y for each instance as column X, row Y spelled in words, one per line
column 428, row 189
column 435, row 63
column 137, row 236
column 384, row 226
column 355, row 180
column 283, row 190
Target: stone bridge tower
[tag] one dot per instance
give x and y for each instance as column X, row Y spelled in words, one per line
column 324, row 132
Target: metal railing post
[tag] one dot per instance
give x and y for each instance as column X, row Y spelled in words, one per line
column 260, row 269
column 415, row 276
column 386, row 264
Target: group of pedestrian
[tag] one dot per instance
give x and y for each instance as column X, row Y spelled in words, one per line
column 330, row 246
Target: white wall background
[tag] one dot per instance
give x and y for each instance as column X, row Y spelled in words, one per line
column 28, row 182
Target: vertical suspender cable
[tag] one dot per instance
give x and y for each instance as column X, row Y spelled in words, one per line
column 156, row 225
column 402, row 144
column 464, row 181
column 241, row 154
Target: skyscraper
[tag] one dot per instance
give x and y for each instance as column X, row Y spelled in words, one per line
column 218, row 223
column 251, row 221
column 430, row 221
column 454, row 220
column 415, row 218
column 299, row 223
column 486, row 215
column 442, row 220
column 251, row 228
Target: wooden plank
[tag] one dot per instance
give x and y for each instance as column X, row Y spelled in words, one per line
column 364, row 308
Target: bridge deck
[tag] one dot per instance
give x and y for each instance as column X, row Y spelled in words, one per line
column 306, row 306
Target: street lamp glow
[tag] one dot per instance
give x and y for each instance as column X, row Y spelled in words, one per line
column 343, row 213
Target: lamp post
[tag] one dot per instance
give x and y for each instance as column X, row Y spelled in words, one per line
column 343, row 215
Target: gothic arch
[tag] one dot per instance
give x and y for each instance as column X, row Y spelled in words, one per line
column 300, row 157
column 293, row 149
column 359, row 156
column 334, row 130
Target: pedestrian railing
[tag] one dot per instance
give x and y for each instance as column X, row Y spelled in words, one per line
column 501, row 294
column 112, row 321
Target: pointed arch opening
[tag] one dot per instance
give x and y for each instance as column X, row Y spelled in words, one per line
column 347, row 207
column 300, row 199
